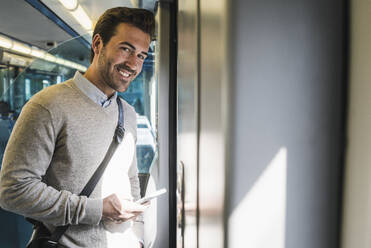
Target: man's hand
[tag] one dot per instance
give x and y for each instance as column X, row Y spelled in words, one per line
column 120, row 210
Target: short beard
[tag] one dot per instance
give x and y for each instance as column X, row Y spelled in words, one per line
column 104, row 66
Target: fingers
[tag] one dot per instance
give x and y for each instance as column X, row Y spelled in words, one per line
column 111, row 207
column 131, row 206
column 126, row 214
column 118, row 211
column 125, row 217
column 108, row 218
column 116, row 204
column 130, row 212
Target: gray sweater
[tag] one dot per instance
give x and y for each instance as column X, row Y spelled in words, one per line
column 56, row 145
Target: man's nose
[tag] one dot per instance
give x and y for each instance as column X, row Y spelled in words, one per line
column 132, row 62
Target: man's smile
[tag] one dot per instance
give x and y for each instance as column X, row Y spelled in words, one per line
column 125, row 73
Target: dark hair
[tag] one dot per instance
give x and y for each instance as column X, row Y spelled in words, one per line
column 107, row 23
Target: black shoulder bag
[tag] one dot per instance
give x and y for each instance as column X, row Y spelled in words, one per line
column 41, row 237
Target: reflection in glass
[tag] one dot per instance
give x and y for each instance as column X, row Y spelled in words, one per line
column 21, row 80
column 140, row 95
column 22, row 77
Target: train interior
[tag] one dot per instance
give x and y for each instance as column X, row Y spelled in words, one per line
column 254, row 115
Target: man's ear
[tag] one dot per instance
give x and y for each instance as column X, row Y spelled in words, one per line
column 97, row 43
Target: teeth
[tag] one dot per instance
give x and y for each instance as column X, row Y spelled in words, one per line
column 124, row 74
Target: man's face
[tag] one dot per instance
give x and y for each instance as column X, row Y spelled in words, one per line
column 121, row 59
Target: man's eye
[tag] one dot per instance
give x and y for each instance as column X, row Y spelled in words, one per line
column 126, row 49
column 141, row 56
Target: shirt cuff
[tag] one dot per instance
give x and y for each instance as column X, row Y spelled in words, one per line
column 93, row 211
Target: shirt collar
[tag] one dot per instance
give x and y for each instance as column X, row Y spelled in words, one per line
column 90, row 90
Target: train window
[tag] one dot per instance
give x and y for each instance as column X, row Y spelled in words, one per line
column 140, row 94
column 23, row 75
column 21, row 83
column 27, row 88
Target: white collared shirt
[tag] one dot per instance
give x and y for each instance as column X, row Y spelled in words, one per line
column 89, row 89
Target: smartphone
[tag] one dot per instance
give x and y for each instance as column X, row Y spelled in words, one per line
column 151, row 196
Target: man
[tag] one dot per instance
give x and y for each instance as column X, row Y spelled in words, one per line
column 63, row 134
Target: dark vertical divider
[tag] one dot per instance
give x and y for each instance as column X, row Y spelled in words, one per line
column 173, row 7
column 343, row 129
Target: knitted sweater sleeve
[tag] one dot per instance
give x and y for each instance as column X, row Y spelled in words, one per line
column 26, row 160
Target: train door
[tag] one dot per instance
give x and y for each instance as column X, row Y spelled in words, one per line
column 187, row 125
column 151, row 94
column 202, row 98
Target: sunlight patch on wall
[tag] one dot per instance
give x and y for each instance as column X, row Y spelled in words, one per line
column 259, row 219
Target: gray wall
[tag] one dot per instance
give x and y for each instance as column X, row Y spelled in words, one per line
column 287, row 80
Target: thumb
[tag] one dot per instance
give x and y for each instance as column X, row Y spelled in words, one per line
column 116, row 204
column 133, row 207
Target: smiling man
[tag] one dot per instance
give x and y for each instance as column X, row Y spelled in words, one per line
column 117, row 62
column 63, row 134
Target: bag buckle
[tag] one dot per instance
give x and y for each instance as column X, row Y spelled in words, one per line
column 119, row 133
column 49, row 244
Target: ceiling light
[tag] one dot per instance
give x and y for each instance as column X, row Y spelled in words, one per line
column 50, row 58
column 5, row 42
column 69, row 64
column 59, row 61
column 82, row 68
column 74, row 65
column 35, row 52
column 16, row 60
column 21, row 48
column 80, row 15
column 69, row 4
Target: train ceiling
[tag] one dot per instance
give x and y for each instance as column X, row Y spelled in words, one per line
column 22, row 21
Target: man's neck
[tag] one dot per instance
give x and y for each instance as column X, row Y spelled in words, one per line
column 93, row 76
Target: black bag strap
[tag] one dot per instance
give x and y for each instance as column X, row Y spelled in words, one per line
column 89, row 187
